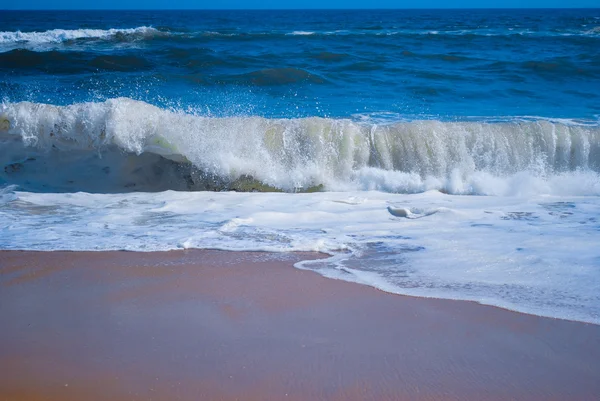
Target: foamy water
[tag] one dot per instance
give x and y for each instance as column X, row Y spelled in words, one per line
column 535, row 254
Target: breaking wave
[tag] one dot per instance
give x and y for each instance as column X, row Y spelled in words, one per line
column 65, row 35
column 126, row 145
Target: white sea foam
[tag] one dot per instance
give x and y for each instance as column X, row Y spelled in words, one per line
column 302, row 33
column 536, row 254
column 594, row 31
column 63, row 35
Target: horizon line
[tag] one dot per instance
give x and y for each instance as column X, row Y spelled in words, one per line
column 300, row 9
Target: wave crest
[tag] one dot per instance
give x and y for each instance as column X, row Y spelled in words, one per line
column 119, row 138
column 65, row 35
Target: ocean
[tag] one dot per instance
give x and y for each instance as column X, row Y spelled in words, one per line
column 436, row 153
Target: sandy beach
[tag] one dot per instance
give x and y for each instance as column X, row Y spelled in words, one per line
column 213, row 325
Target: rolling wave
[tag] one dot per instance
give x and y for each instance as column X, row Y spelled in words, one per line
column 66, row 35
column 277, row 76
column 75, row 61
column 382, row 31
column 70, row 62
column 57, row 36
column 125, row 145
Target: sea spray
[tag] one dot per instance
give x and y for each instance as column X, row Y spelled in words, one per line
column 112, row 141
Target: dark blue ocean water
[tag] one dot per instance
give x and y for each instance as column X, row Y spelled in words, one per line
column 437, row 64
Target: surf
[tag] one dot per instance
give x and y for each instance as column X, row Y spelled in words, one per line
column 124, row 144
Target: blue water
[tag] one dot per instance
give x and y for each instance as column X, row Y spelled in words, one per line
column 451, row 154
column 400, row 64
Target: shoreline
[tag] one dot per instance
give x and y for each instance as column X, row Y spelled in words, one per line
column 310, row 256
column 206, row 324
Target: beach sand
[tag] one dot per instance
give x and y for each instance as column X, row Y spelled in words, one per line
column 213, row 325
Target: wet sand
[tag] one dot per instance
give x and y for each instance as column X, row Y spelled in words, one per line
column 211, row 325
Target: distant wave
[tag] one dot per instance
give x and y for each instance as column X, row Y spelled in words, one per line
column 500, row 32
column 65, row 35
column 593, row 31
column 56, row 36
column 381, row 31
column 302, row 33
column 143, row 32
column 123, row 144
column 78, row 61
